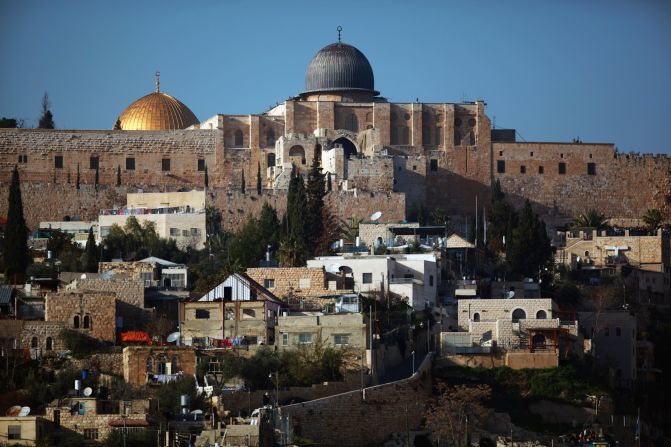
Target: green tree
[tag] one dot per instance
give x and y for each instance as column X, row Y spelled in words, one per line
column 242, row 183
column 91, row 253
column 259, row 185
column 653, row 218
column 315, row 191
column 590, row 219
column 269, row 226
column 15, row 253
column 46, row 119
column 292, row 252
column 10, row 123
column 212, row 220
column 529, row 250
column 502, row 220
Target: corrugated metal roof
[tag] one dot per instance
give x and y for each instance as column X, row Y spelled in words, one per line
column 6, row 293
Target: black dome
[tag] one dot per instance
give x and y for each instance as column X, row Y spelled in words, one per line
column 339, row 67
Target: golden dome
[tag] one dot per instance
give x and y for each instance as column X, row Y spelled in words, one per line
column 157, row 111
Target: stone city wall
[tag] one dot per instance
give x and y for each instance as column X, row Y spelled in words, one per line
column 369, row 418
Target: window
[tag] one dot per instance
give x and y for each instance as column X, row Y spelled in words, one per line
column 14, row 432
column 367, row 278
column 561, row 155
column 519, row 314
column 471, row 122
column 174, row 232
column 500, row 153
column 269, row 283
column 165, row 164
column 476, row 317
column 341, row 339
column 618, row 332
column 270, row 138
column 531, row 154
column 76, row 322
column 523, row 169
column 439, row 136
column 501, row 166
column 173, row 365
column 304, row 338
column 201, row 164
column 285, row 339
column 590, row 155
column 202, row 314
column 606, row 331
column 90, row 433
column 195, row 231
column 434, row 165
column 457, row 138
column 33, row 342
column 58, row 162
column 369, row 117
column 161, row 364
column 50, row 344
column 562, row 168
column 87, row 322
column 304, row 283
column 270, row 160
column 541, row 315
column 248, row 313
column 238, row 140
column 93, row 162
column 430, row 280
column 541, row 170
column 591, row 169
column 185, row 233
column 150, row 365
column 414, row 167
column 228, row 293
column 352, row 123
column 23, row 159
column 471, row 138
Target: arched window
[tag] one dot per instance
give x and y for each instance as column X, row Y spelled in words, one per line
column 541, row 315
column 369, row 117
column 33, row 342
column 161, row 364
column 426, row 135
column 471, row 138
column 173, row 365
column 406, row 135
column 352, row 123
column 519, row 314
column 297, row 154
column 476, row 317
column 237, row 137
column 75, row 323
column 457, row 138
column 87, row 322
column 270, row 160
column 270, row 138
column 587, row 253
column 150, row 365
column 50, row 344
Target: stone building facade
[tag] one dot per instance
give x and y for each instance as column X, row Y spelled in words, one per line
column 385, row 156
column 142, row 363
column 93, row 313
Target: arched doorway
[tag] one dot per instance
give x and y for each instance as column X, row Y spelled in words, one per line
column 348, row 147
column 297, row 155
column 538, row 341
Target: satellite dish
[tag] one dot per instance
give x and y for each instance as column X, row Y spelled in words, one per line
column 510, row 294
column 173, row 337
column 88, row 391
column 197, row 412
column 376, row 215
column 25, row 411
column 333, row 268
column 13, row 411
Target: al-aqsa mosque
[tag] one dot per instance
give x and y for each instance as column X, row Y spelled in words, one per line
column 381, row 156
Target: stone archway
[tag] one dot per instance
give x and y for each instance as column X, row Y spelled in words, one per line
column 348, row 146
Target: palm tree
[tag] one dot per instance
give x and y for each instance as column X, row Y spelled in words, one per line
column 653, row 218
column 590, row 219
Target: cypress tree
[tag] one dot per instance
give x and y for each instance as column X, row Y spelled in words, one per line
column 47, row 119
column 207, row 178
column 258, row 179
column 329, row 186
column 242, row 184
column 91, row 254
column 15, row 251
column 315, row 191
column 78, row 177
column 96, row 180
column 118, row 175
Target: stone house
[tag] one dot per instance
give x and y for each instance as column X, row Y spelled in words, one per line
column 341, row 330
column 157, row 364
column 93, row 313
column 23, row 430
column 414, row 277
column 238, row 310
column 94, row 419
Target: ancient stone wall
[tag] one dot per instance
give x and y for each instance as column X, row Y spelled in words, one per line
column 106, row 363
column 38, row 332
column 301, row 281
column 370, row 417
column 72, row 308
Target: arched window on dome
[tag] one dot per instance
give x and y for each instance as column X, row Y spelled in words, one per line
column 270, row 138
column 238, row 140
column 352, row 123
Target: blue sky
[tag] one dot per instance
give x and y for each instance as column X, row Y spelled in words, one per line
column 599, row 69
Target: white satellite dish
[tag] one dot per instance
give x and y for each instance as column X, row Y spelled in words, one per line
column 25, row 411
column 172, row 337
column 333, row 268
column 510, row 294
column 376, row 215
column 197, row 412
column 88, row 391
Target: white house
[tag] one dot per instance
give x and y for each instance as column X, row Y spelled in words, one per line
column 415, row 277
